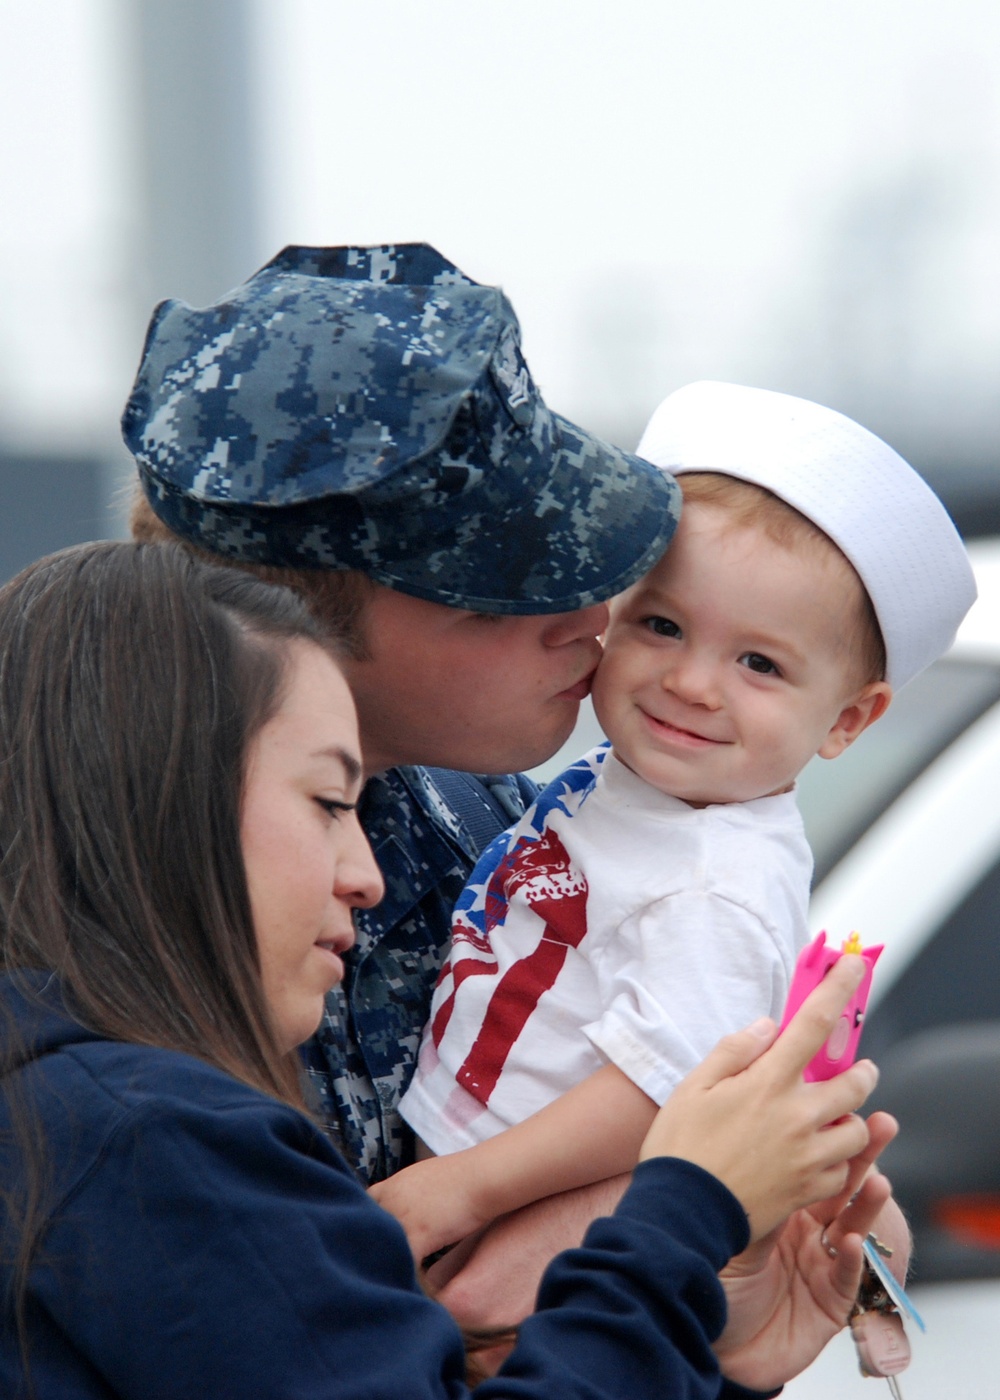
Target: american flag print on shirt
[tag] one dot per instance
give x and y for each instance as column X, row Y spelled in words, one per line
column 538, row 872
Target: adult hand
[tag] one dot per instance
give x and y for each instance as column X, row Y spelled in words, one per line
column 747, row 1116
column 789, row 1293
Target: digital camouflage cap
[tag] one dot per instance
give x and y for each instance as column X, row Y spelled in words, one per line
column 370, row 409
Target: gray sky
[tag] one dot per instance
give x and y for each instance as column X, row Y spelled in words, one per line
column 797, row 193
column 725, row 189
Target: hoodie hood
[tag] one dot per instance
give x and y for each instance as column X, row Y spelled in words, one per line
column 37, row 1019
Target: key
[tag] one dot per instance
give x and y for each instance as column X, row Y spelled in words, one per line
column 877, row 1329
column 875, row 1254
column 881, row 1343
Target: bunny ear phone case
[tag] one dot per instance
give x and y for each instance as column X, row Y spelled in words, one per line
column 813, row 964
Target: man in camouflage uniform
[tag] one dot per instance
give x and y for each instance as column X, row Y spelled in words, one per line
column 360, row 423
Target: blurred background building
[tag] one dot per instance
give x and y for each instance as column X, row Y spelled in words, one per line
column 803, row 197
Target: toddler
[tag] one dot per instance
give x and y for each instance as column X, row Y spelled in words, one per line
column 655, row 896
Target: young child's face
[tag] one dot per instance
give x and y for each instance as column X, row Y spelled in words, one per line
column 728, row 666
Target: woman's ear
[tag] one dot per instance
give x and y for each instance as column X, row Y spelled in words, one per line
column 867, row 706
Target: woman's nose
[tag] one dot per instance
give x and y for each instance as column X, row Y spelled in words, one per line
column 358, row 879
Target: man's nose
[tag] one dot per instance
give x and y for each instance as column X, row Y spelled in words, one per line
column 573, row 626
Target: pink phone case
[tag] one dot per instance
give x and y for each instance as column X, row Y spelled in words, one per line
column 813, row 965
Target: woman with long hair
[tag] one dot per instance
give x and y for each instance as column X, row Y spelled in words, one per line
column 179, row 861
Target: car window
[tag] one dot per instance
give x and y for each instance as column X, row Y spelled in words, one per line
column 841, row 798
column 953, row 980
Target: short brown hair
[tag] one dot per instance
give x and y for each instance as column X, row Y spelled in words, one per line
column 748, row 504
column 337, row 597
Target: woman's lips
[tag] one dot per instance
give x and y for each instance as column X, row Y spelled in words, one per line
column 333, row 948
column 336, row 967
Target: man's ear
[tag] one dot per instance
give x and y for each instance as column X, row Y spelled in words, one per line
column 867, row 706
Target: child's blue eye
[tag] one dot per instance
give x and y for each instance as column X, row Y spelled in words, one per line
column 760, row 665
column 662, row 626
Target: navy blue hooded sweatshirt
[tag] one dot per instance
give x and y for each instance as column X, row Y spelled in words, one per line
column 207, row 1241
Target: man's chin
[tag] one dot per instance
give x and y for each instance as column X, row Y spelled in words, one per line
column 507, row 756
column 540, row 752
column 496, row 751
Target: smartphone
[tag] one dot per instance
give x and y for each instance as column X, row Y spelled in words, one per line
column 813, row 964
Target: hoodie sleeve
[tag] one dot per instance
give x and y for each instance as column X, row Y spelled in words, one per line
column 224, row 1249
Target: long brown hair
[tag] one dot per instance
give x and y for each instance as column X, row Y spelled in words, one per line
column 132, row 679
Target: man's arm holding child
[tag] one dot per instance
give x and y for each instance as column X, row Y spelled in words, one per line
column 589, row 1134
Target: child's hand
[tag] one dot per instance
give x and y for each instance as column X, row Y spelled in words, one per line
column 434, row 1201
column 746, row 1115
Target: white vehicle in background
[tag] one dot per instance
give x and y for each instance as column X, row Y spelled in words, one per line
column 906, row 831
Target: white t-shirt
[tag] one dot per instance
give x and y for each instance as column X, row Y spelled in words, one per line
column 611, row 924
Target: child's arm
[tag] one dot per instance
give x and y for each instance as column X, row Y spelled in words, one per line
column 592, row 1132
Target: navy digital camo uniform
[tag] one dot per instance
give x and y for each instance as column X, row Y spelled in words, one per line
column 362, row 1057
column 370, row 409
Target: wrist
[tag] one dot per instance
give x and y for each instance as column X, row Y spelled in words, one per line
column 486, row 1187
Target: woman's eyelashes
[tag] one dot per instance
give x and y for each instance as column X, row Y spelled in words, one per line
column 334, row 808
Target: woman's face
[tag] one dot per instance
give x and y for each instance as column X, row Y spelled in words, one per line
column 307, row 860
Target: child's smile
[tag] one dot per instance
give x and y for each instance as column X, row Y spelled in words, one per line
column 670, row 732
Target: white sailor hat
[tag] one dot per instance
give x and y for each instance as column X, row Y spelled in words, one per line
column 862, row 494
